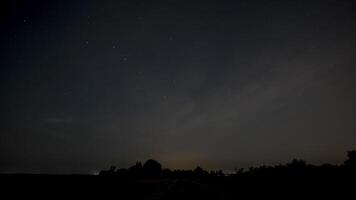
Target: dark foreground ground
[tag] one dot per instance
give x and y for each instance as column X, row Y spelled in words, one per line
column 266, row 186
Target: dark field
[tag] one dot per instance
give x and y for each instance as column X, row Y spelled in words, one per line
column 85, row 186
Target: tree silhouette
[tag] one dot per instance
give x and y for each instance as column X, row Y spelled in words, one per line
column 136, row 168
column 152, row 168
column 351, row 161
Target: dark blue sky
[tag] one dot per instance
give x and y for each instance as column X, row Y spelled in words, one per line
column 222, row 84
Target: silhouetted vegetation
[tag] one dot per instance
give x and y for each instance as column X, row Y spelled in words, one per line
column 294, row 180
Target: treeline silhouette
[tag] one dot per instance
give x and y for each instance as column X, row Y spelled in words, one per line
column 297, row 167
column 294, row 180
column 153, row 169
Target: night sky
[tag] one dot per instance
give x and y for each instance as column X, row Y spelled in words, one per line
column 223, row 84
